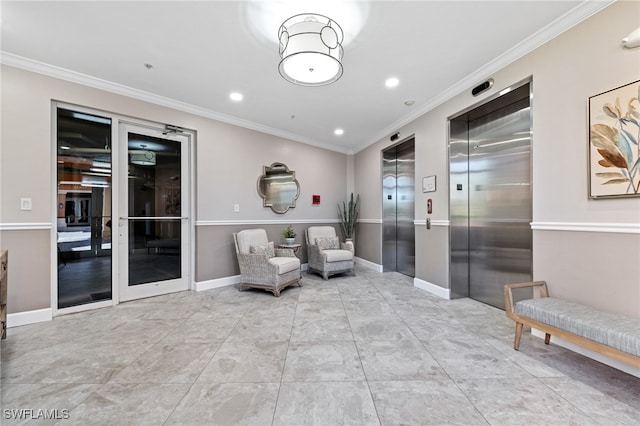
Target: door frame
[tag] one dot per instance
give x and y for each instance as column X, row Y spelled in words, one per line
column 126, row 292
column 115, row 180
column 455, row 289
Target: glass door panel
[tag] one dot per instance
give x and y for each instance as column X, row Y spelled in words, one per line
column 83, row 208
column 155, row 226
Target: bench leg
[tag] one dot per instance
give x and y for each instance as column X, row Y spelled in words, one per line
column 516, row 341
column 547, row 338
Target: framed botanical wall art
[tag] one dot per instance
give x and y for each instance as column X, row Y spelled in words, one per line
column 614, row 132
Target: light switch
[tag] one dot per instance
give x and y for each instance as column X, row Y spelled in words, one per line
column 236, row 208
column 25, row 204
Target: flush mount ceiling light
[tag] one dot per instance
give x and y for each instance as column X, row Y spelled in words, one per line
column 311, row 50
column 143, row 158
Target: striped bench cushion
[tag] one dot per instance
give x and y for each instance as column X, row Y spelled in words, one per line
column 617, row 331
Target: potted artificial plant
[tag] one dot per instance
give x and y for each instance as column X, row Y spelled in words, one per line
column 289, row 235
column 348, row 214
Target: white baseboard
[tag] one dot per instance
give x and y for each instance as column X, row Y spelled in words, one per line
column 29, row 317
column 217, row 283
column 589, row 354
column 442, row 292
column 367, row 264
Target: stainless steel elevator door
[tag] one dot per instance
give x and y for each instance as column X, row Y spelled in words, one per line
column 398, row 205
column 500, row 206
column 405, row 187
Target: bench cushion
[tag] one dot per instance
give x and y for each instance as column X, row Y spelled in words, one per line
column 617, row 331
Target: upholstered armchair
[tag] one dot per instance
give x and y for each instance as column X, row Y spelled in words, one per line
column 262, row 265
column 326, row 255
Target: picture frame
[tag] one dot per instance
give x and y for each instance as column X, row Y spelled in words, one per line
column 429, row 183
column 614, row 133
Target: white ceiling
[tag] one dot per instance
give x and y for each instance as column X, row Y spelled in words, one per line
column 202, row 51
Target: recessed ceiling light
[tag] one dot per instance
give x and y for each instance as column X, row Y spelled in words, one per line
column 392, row 82
column 409, row 103
column 338, row 132
column 236, row 96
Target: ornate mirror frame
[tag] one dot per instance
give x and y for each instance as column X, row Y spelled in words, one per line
column 278, row 187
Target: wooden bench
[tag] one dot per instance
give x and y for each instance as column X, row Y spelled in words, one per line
column 615, row 336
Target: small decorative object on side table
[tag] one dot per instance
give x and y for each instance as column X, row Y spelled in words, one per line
column 289, row 236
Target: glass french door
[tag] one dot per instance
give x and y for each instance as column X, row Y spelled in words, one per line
column 83, row 208
column 153, row 225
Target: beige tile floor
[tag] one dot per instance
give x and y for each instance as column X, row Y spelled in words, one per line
column 363, row 350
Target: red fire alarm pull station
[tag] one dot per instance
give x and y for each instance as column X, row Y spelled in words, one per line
column 315, row 199
column 429, row 206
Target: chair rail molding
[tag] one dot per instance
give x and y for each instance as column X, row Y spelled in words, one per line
column 615, row 228
column 25, row 226
column 434, row 222
column 263, row 222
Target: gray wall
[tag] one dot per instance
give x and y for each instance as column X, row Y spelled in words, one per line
column 228, row 162
column 593, row 266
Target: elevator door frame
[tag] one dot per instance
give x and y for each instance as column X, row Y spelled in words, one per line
column 459, row 274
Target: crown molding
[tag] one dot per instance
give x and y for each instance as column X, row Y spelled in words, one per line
column 38, row 67
column 578, row 14
column 570, row 19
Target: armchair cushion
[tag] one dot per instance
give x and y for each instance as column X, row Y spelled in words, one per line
column 264, row 249
column 245, row 239
column 337, row 255
column 328, row 243
column 285, row 264
column 315, row 232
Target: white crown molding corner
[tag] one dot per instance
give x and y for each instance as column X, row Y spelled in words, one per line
column 441, row 292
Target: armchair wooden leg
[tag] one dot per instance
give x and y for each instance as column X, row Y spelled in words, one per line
column 516, row 342
column 547, row 338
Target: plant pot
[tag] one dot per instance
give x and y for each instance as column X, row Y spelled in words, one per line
column 349, row 244
column 289, row 241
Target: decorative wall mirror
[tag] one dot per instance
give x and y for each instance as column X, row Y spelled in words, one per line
column 278, row 187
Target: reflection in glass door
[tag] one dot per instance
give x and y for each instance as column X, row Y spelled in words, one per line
column 153, row 225
column 83, row 144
